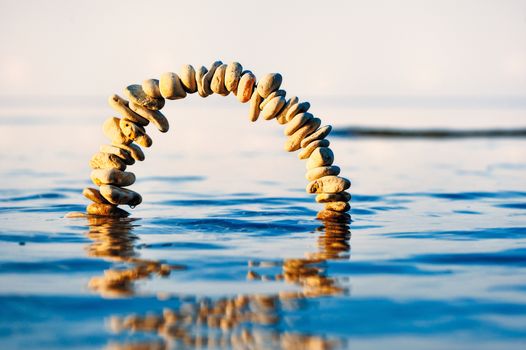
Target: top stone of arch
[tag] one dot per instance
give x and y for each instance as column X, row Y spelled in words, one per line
column 269, row 83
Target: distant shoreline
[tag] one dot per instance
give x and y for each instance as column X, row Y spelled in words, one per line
column 427, row 133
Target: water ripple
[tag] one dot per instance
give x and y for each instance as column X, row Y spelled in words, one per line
column 223, row 225
column 508, row 258
column 215, row 202
column 51, row 195
column 376, row 268
column 475, row 234
column 55, row 266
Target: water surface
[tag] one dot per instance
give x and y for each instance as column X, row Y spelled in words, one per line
column 226, row 251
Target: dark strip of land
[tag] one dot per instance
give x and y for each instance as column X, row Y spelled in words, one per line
column 426, row 133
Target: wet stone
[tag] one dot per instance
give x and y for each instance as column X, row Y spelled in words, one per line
column 334, row 216
column 328, row 184
column 117, row 195
column 136, row 94
column 74, row 215
column 338, row 206
column 319, row 172
column 101, row 160
column 106, row 210
column 333, row 197
column 121, row 106
column 94, row 195
column 112, row 177
column 307, row 151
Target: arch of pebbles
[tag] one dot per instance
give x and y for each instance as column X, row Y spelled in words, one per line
column 267, row 101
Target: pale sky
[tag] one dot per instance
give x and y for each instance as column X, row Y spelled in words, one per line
column 369, row 48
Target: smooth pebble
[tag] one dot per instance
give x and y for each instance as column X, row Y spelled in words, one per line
column 321, row 156
column 135, row 151
column 151, row 88
column 273, row 107
column 319, row 134
column 297, row 109
column 144, row 140
column 121, row 106
column 106, row 210
column 254, row 111
column 101, row 160
column 94, row 195
column 207, row 78
column 199, row 75
column 331, row 215
column 136, row 94
column 119, row 152
column 155, row 117
column 307, row 151
column 319, row 172
column 333, row 197
column 116, row 195
column 328, row 184
column 112, row 177
column 293, row 142
column 188, row 78
column 131, row 130
column 269, row 83
column 282, row 116
column 232, row 76
column 218, row 81
column 296, row 123
column 338, row 206
column 171, row 86
column 246, row 86
column 271, row 96
column 112, row 130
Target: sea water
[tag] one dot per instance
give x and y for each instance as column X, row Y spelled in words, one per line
column 225, row 251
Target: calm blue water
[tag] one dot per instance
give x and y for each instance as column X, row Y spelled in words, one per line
column 225, row 251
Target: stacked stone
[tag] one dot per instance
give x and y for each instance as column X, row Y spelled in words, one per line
column 267, row 101
column 305, row 132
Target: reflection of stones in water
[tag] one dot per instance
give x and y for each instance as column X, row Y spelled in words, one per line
column 248, row 321
column 333, row 241
column 309, row 273
column 239, row 323
column 113, row 240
